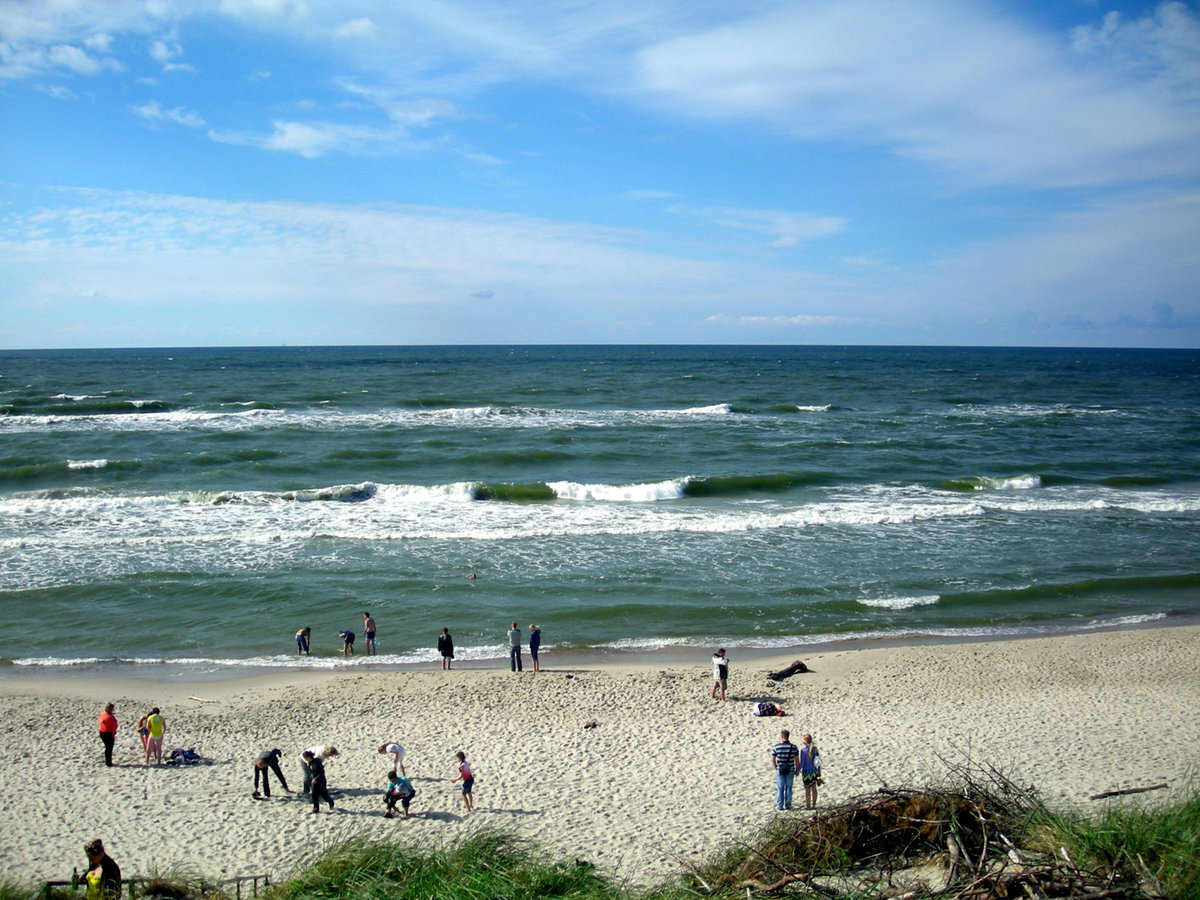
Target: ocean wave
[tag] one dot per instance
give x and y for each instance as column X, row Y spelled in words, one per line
column 134, row 415
column 1033, row 410
column 87, row 463
column 900, row 603
column 987, row 483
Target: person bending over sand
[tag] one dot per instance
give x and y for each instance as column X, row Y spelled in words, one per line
column 397, row 755
column 268, row 760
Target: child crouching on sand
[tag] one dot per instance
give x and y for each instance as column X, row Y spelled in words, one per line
column 399, row 789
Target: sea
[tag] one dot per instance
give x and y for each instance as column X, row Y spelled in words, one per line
column 180, row 513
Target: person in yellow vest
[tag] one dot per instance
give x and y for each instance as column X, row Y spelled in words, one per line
column 103, row 876
column 156, row 727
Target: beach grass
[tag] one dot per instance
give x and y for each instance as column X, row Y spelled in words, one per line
column 488, row 864
column 951, row 841
column 1157, row 847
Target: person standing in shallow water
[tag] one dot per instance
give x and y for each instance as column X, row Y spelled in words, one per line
column 446, row 648
column 302, row 637
column 369, row 633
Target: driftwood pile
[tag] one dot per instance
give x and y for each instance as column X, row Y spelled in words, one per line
column 958, row 843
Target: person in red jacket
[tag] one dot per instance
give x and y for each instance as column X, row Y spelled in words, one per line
column 108, row 731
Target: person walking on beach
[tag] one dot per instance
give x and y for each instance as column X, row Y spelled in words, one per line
column 156, row 727
column 784, row 756
column 514, row 648
column 369, row 633
column 466, row 776
column 107, row 723
column 720, row 673
column 143, row 729
column 810, row 771
column 446, row 648
column 535, row 641
column 103, row 875
column 268, row 760
column 347, row 642
column 302, row 637
column 316, row 773
column 397, row 755
column 318, row 753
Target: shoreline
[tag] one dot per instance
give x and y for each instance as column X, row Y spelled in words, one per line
column 665, row 775
column 333, row 666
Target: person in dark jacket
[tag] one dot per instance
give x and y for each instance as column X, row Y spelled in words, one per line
column 268, row 760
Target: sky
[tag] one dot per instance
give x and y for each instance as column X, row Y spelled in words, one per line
column 268, row 172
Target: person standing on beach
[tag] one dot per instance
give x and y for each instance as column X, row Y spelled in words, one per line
column 268, row 759
column 720, row 673
column 514, row 648
column 535, row 641
column 397, row 755
column 784, row 756
column 156, row 727
column 103, row 875
column 316, row 772
column 143, row 729
column 108, row 731
column 446, row 648
column 466, row 776
column 369, row 633
column 319, row 753
column 810, row 771
column 302, row 637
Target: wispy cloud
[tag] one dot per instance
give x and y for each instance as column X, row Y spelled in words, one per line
column 786, row 229
column 155, row 113
column 952, row 83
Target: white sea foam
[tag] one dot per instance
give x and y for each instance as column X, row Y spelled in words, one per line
column 1015, row 483
column 900, row 603
column 324, row 419
column 86, row 463
column 619, row 493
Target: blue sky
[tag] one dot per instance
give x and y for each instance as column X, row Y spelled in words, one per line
column 250, row 172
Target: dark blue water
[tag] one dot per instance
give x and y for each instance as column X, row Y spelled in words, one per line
column 196, row 507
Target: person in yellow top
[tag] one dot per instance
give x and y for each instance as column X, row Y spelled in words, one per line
column 103, row 876
column 156, row 727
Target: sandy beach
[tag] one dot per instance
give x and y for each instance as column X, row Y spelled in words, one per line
column 664, row 774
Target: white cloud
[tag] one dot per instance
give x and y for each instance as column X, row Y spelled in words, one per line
column 356, row 29
column 162, row 52
column 793, row 321
column 153, row 112
column 788, row 229
column 954, row 83
column 315, row 139
column 490, row 276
